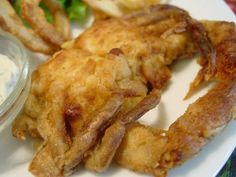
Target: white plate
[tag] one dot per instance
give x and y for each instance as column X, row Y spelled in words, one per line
column 15, row 155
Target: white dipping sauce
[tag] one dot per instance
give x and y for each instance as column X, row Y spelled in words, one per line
column 8, row 77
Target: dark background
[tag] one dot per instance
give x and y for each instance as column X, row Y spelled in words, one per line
column 229, row 170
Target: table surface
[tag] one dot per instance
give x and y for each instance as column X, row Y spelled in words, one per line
column 229, row 170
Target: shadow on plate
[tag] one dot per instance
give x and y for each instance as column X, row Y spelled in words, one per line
column 13, row 151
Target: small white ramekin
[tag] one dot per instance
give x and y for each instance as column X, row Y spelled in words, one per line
column 13, row 104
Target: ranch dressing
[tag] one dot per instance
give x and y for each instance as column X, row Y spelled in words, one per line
column 8, row 77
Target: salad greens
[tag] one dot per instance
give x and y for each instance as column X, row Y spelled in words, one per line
column 17, row 7
column 76, row 9
column 47, row 13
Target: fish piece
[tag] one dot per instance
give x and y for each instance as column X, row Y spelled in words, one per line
column 141, row 147
column 85, row 96
column 223, row 36
column 100, row 158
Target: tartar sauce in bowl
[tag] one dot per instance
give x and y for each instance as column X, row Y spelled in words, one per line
column 14, row 78
column 8, row 76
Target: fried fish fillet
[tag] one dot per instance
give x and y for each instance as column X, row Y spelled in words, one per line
column 203, row 119
column 85, row 96
column 67, row 93
column 141, row 147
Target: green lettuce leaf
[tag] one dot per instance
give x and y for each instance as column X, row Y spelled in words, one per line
column 47, row 13
column 76, row 9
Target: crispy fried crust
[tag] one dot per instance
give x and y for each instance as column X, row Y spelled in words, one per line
column 86, row 138
column 100, row 82
column 39, row 23
column 185, row 137
column 9, row 21
column 23, row 126
column 141, row 148
column 43, row 164
column 202, row 121
column 223, row 37
column 74, row 95
column 100, row 158
column 118, row 8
